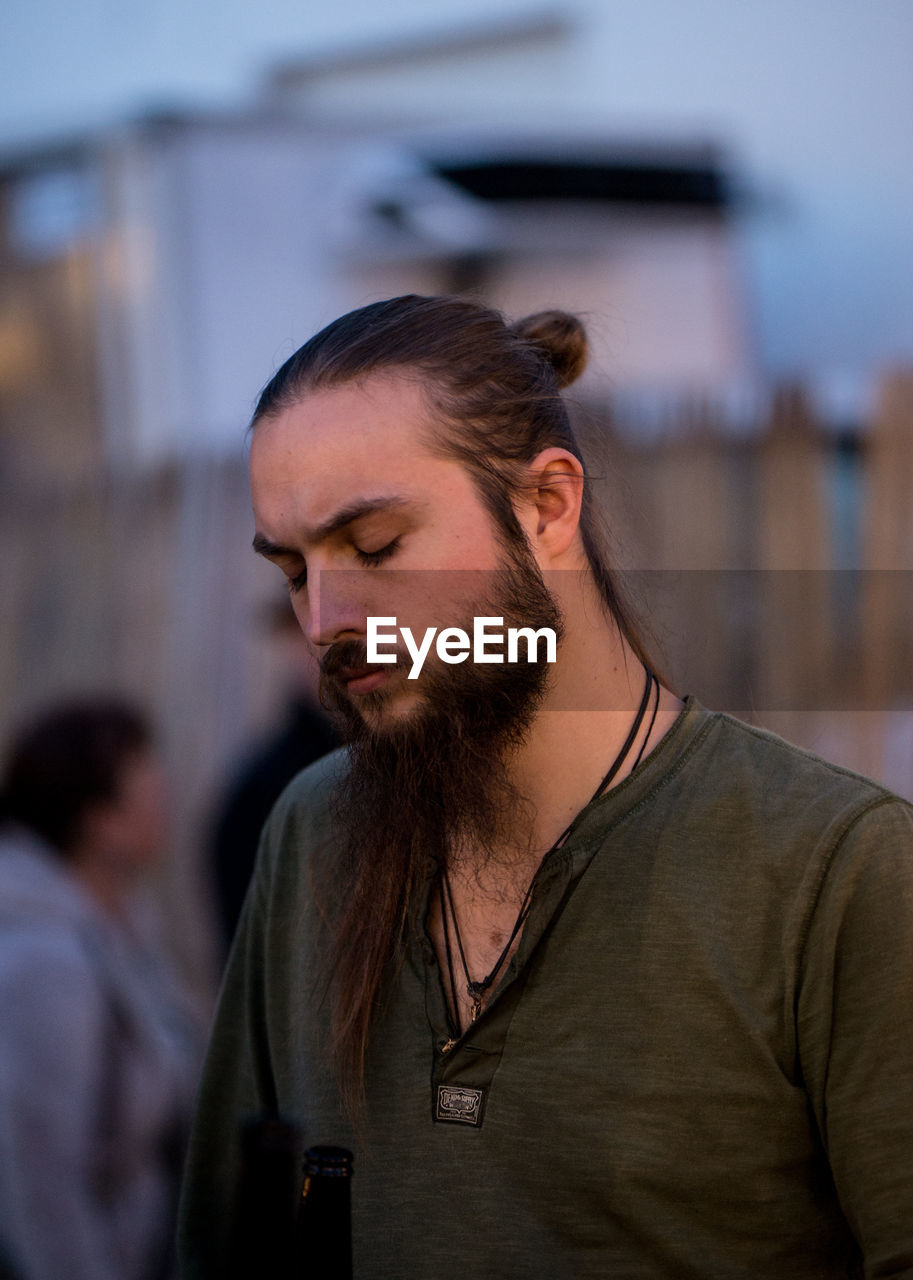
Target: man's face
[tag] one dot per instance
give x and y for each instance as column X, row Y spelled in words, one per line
column 345, row 490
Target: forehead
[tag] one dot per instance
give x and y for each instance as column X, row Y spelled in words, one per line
column 346, row 443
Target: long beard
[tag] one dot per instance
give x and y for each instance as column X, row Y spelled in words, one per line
column 438, row 784
column 422, row 794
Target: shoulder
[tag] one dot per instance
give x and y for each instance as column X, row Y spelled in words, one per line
column 749, row 769
column 773, row 822
column 301, row 823
column 45, row 916
column 306, row 802
column 51, row 1000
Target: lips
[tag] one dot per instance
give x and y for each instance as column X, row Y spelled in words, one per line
column 363, row 679
column 346, row 665
column 345, row 674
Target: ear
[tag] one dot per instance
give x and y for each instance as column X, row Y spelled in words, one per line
column 555, row 492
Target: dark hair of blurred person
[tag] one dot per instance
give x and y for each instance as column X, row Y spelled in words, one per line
column 99, row 1049
column 84, row 778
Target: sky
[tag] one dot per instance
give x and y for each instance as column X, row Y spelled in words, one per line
column 93, row 61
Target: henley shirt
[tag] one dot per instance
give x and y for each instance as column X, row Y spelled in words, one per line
column 699, row 1062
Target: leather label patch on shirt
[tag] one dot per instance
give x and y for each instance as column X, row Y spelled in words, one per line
column 459, row 1106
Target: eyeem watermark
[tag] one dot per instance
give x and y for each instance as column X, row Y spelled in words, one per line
column 454, row 645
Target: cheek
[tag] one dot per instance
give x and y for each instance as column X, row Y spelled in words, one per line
column 424, row 598
column 146, row 808
column 471, row 546
column 340, row 600
column 300, row 602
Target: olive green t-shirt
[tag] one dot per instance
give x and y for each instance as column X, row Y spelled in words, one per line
column 698, row 1064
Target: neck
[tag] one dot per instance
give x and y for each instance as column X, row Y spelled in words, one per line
column 596, row 689
column 596, row 694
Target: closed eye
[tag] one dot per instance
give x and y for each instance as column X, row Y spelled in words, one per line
column 299, row 582
column 374, row 558
column 371, row 559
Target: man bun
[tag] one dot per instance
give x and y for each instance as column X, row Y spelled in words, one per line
column 561, row 338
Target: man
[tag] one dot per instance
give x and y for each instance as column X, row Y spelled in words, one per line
column 595, row 982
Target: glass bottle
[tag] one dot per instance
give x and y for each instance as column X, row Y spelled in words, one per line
column 325, row 1215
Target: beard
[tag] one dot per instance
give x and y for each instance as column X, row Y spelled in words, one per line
column 434, row 788
column 429, row 790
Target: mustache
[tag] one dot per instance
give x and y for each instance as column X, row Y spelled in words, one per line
column 346, row 656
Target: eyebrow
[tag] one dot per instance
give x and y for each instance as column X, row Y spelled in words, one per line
column 345, row 516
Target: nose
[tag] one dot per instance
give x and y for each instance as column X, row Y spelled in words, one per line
column 336, row 608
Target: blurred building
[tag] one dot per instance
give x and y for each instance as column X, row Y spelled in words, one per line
column 154, row 275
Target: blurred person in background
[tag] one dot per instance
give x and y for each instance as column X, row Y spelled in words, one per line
column 303, row 737
column 99, row 1049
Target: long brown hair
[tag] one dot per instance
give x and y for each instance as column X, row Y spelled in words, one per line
column 494, row 392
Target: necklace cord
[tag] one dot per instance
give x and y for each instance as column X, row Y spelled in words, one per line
column 449, row 954
column 476, row 990
column 649, row 727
